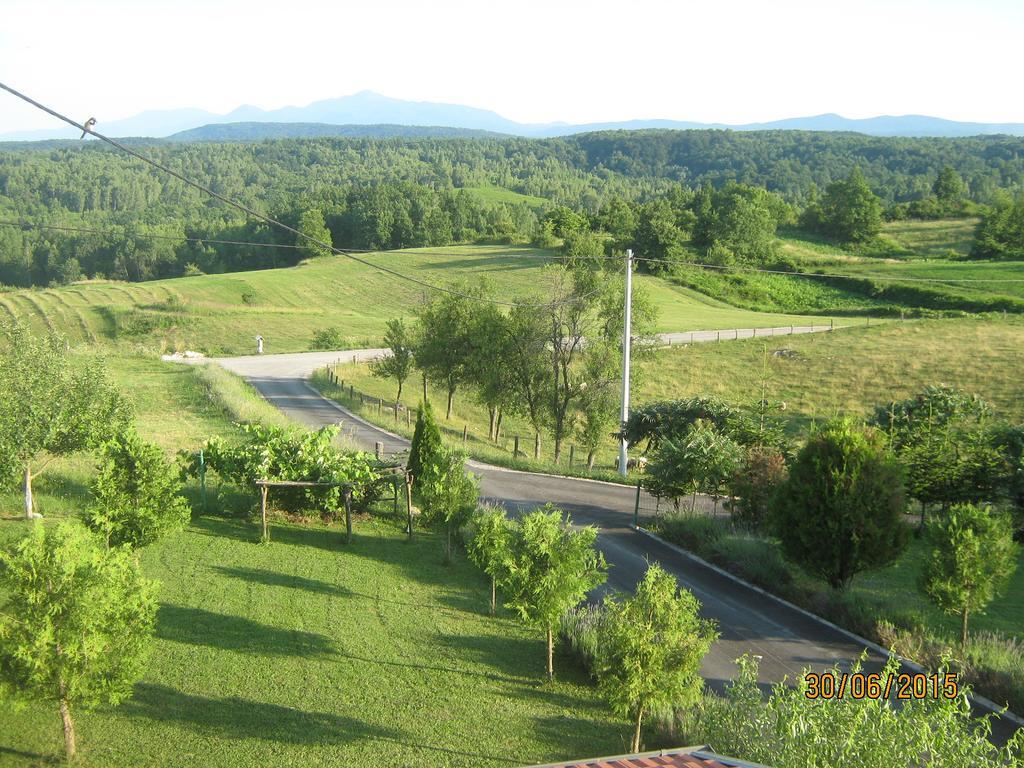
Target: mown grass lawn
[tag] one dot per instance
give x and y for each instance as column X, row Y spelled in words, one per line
column 307, row 652
column 221, row 314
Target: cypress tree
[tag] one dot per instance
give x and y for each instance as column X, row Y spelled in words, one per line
column 425, row 446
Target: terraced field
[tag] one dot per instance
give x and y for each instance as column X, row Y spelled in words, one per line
column 220, row 314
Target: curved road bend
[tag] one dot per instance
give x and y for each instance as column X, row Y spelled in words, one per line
column 787, row 640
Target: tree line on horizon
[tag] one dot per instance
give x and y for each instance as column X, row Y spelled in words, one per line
column 381, row 194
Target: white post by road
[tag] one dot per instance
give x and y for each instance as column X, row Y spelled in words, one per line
column 626, row 342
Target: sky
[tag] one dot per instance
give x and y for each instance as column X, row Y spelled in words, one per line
column 731, row 61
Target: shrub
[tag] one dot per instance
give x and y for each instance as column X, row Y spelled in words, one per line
column 698, row 534
column 136, row 495
column 581, row 629
column 753, row 483
column 756, row 560
column 840, row 510
column 328, row 338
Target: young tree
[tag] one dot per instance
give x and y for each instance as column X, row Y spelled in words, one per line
column 972, row 559
column 490, row 545
column 762, row 470
column 311, row 224
column 136, row 495
column 399, row 364
column 552, row 569
column 703, row 459
column 425, row 447
column 51, row 403
column 448, row 492
column 840, row 510
column 650, row 656
column 78, row 621
column 948, row 187
column 946, row 440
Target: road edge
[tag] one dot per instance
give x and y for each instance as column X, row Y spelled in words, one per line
column 980, row 700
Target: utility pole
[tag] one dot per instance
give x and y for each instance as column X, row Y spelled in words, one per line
column 626, row 343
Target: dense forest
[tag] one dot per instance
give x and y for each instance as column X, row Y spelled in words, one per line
column 402, row 192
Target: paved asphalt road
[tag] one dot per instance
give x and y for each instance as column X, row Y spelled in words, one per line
column 787, row 640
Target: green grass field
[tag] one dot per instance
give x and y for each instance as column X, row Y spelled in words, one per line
column 308, row 652
column 851, row 370
column 220, row 314
column 304, row 651
column 933, row 239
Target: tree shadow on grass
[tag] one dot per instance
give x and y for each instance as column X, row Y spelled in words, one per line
column 35, row 757
column 275, row 579
column 518, row 658
column 237, row 718
column 196, row 626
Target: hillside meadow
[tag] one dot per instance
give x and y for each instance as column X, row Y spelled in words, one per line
column 221, row 314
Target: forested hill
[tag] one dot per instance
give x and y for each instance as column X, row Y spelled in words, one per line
column 402, row 192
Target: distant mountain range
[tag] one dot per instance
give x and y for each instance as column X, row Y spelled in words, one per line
column 383, row 116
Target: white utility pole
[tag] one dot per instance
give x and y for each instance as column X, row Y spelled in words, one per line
column 626, row 343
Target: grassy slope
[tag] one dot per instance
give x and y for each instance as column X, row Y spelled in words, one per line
column 222, row 313
column 852, row 370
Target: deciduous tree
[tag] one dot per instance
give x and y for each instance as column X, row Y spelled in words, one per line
column 51, row 403
column 972, row 559
column 77, row 622
column 399, row 364
column 651, row 650
column 552, row 569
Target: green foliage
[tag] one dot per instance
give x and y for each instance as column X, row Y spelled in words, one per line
column 76, row 624
column 489, row 545
column 1000, row 235
column 673, row 419
column 136, row 494
column 443, row 343
column 946, row 441
column 797, row 731
column 849, row 211
column 840, row 510
column 552, row 568
column 948, row 186
column 425, row 448
column 275, row 453
column 51, row 403
column 972, row 559
column 399, row 364
column 448, row 493
column 703, row 460
column 328, row 338
column 650, row 654
column 738, row 220
column 311, row 225
column 753, row 483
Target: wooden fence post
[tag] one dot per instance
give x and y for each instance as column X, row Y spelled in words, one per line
column 515, row 447
column 351, row 391
column 380, row 405
column 378, row 450
column 572, row 454
column 263, row 512
column 347, row 493
column 396, row 410
column 831, row 323
column 408, row 417
column 408, row 501
column 465, row 433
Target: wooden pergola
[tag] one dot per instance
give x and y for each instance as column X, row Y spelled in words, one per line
column 395, row 478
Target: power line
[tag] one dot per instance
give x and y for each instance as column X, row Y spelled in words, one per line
column 263, row 217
